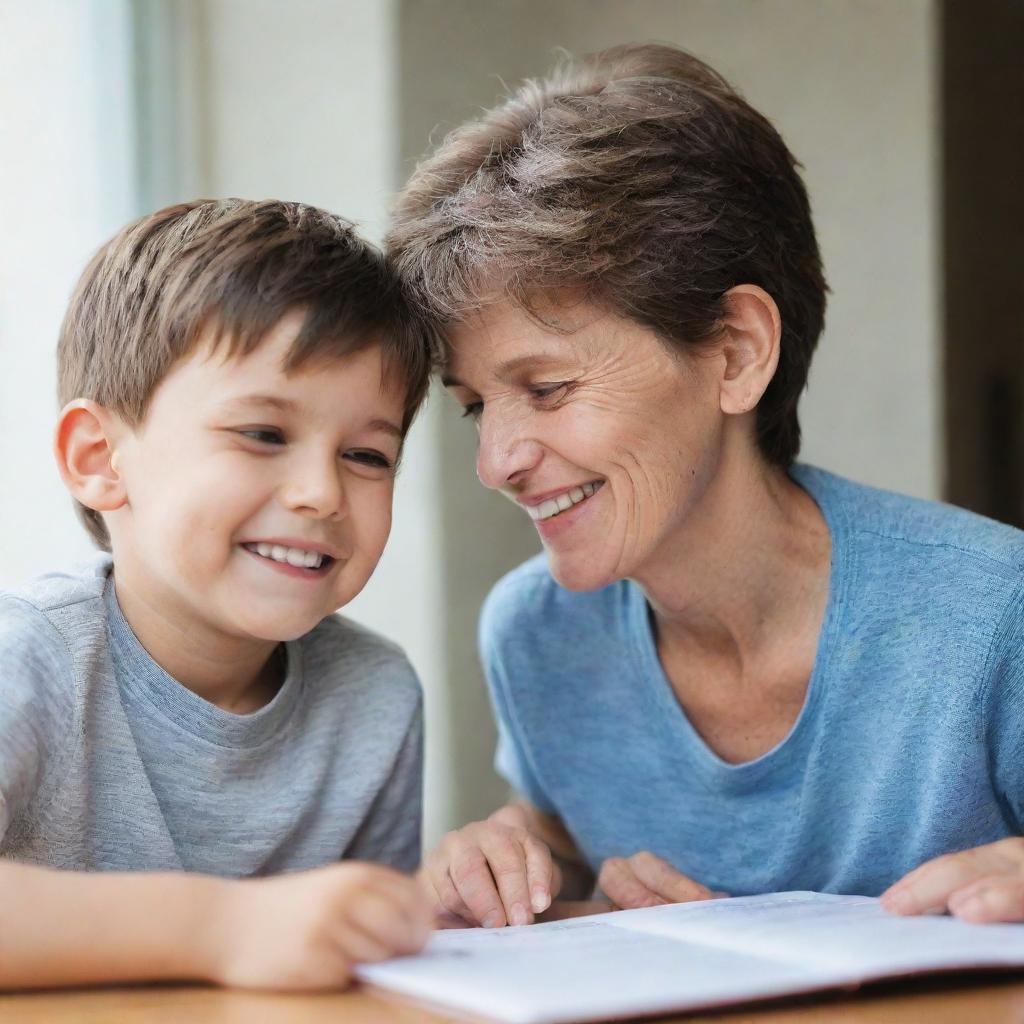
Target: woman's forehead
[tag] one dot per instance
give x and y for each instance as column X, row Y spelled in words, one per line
column 504, row 341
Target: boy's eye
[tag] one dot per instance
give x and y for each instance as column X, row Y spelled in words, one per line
column 369, row 458
column 473, row 410
column 265, row 435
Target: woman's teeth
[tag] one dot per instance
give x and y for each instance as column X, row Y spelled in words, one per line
column 551, row 507
column 293, row 556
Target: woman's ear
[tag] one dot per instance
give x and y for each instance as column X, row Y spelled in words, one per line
column 752, row 329
column 84, row 446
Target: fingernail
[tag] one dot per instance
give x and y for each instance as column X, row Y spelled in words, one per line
column 518, row 915
column 541, row 900
column 493, row 920
column 718, row 895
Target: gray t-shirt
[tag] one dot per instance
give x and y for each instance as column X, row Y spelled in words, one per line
column 108, row 763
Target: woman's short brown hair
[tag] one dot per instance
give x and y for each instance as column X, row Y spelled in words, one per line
column 150, row 292
column 641, row 176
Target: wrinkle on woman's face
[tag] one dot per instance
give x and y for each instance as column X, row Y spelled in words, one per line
column 606, row 407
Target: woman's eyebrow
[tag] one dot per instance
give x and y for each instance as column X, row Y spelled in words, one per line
column 510, row 367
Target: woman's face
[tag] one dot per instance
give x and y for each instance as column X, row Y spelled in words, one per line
column 605, row 437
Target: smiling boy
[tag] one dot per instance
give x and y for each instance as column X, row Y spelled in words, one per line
column 187, row 714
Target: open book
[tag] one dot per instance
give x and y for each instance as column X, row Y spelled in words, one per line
column 686, row 956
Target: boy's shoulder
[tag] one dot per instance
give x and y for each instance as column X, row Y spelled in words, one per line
column 57, row 607
column 339, row 653
column 63, row 588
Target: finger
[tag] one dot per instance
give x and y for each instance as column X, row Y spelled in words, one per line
column 359, row 946
column 475, row 885
column 997, row 898
column 662, row 878
column 452, row 903
column 383, row 919
column 437, row 878
column 506, row 856
column 928, row 888
column 619, row 883
column 540, row 874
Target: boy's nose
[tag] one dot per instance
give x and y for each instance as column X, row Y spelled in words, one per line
column 316, row 489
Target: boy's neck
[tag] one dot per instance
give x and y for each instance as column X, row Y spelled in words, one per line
column 237, row 674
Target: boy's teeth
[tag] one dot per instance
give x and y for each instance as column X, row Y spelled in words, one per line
column 551, row 507
column 292, row 556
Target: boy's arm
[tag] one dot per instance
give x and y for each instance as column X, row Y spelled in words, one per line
column 299, row 931
column 72, row 928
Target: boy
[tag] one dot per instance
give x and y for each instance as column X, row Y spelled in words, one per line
column 237, row 378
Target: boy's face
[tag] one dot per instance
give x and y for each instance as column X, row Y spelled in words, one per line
column 257, row 503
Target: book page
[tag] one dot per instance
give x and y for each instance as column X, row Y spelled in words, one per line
column 685, row 957
column 852, row 933
column 577, row 970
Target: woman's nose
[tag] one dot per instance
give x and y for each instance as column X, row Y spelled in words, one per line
column 506, row 449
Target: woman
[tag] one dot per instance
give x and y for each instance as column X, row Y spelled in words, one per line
column 731, row 672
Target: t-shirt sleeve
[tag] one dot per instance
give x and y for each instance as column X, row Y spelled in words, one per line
column 1004, row 709
column 36, row 705
column 390, row 834
column 511, row 759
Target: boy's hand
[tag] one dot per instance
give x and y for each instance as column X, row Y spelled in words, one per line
column 645, row 880
column 980, row 885
column 307, row 930
column 493, row 872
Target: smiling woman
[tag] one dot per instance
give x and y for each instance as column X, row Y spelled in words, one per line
column 730, row 671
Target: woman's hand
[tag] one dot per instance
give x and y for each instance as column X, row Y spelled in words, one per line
column 307, row 930
column 645, row 880
column 494, row 872
column 980, row 885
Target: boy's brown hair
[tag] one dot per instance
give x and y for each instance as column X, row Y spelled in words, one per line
column 147, row 295
column 640, row 178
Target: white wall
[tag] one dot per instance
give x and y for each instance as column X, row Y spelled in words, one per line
column 66, row 185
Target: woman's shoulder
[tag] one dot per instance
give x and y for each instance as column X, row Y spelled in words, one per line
column 924, row 529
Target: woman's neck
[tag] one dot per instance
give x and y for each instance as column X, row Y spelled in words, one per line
column 747, row 572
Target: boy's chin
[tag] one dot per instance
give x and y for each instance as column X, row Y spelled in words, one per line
column 277, row 631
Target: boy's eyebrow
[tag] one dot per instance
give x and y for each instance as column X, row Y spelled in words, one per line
column 286, row 405
column 387, row 427
column 275, row 401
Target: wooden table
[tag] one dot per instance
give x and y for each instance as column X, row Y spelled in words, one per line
column 927, row 1002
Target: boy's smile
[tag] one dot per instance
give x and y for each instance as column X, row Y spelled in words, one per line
column 257, row 501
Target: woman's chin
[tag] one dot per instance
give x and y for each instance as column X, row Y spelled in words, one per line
column 580, row 574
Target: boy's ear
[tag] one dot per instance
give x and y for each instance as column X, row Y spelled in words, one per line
column 752, row 330
column 84, row 446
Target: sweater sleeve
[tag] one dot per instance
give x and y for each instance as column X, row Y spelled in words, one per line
column 36, row 705
column 512, row 759
column 1004, row 709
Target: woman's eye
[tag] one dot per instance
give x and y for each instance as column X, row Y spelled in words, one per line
column 549, row 392
column 370, row 458
column 265, row 435
column 473, row 410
